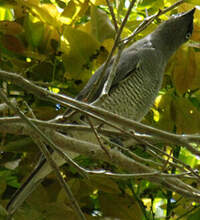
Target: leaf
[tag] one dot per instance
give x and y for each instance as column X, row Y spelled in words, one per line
column 6, row 13
column 45, row 112
column 163, row 105
column 101, row 26
column 61, row 4
column 69, row 11
column 105, row 184
column 10, row 27
column 78, row 47
column 74, row 11
column 12, row 43
column 3, row 186
column 3, row 213
column 186, row 116
column 120, row 206
column 194, row 216
column 150, row 4
column 9, row 177
column 24, row 144
column 48, row 13
column 100, row 2
column 34, row 32
column 188, row 158
column 184, row 71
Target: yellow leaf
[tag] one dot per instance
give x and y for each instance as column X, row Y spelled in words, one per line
column 108, row 44
column 31, row 2
column 78, row 48
column 101, row 26
column 186, row 116
column 48, row 13
column 86, row 27
column 156, row 115
column 70, row 11
column 164, row 112
column 184, row 70
column 99, row 2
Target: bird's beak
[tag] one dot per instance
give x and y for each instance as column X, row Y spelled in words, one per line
column 190, row 12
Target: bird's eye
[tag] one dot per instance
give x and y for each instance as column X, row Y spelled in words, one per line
column 188, row 35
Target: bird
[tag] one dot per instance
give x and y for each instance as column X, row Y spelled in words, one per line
column 136, row 84
column 140, row 70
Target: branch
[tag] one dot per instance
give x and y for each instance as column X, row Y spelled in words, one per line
column 66, row 144
column 21, row 129
column 113, row 15
column 85, row 128
column 47, row 155
column 106, row 117
column 118, row 159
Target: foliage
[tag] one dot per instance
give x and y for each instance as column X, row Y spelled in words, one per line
column 58, row 44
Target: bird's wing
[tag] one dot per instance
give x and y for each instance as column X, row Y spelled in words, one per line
column 128, row 63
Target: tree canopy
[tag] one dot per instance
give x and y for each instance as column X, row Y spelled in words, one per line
column 53, row 47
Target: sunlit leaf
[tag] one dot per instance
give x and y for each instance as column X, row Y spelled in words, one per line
column 101, row 26
column 34, row 32
column 163, row 105
column 78, row 47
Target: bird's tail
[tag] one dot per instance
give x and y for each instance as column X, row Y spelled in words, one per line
column 31, row 183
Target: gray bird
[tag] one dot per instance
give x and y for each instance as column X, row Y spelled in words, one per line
column 135, row 86
column 140, row 69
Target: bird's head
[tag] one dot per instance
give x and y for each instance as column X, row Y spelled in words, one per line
column 171, row 34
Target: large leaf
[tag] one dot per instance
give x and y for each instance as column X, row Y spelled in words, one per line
column 184, row 71
column 186, row 116
column 101, row 26
column 77, row 47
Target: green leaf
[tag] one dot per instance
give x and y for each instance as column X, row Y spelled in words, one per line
column 194, row 216
column 34, row 32
column 9, row 177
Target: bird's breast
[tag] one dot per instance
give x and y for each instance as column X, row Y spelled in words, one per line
column 133, row 97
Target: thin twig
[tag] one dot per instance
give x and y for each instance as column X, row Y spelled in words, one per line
column 30, row 110
column 98, row 137
column 147, row 21
column 134, row 156
column 137, row 175
column 108, row 117
column 108, row 83
column 97, row 113
column 156, row 155
column 61, row 180
column 87, row 129
column 113, row 15
column 64, row 127
column 92, row 150
column 164, row 153
column 66, row 144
